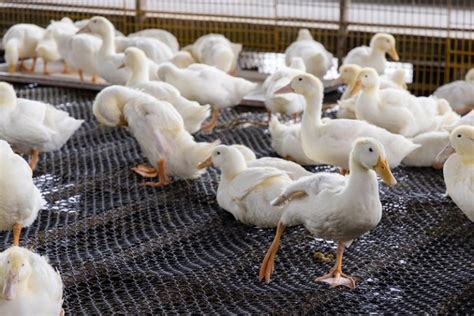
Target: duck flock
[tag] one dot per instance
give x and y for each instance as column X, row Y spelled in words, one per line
column 162, row 95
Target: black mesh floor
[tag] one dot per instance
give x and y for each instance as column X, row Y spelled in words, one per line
column 125, row 248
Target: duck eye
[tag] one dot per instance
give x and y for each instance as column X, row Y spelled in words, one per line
column 366, row 76
column 8, row 262
column 22, row 264
column 300, row 79
column 370, row 149
column 459, row 135
column 218, row 153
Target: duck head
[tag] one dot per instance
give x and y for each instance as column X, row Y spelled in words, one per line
column 17, row 270
column 98, row 25
column 347, row 75
column 7, row 95
column 369, row 153
column 461, row 141
column 134, row 58
column 304, row 34
column 305, row 84
column 386, row 43
column 227, row 158
column 108, row 106
column 367, row 79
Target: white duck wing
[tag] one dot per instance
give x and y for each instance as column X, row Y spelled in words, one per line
column 250, row 178
column 293, row 170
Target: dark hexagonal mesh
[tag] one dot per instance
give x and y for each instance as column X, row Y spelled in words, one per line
column 125, row 248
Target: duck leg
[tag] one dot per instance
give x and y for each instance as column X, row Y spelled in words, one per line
column 268, row 264
column 343, row 171
column 81, row 74
column 16, row 234
column 34, row 159
column 296, row 117
column 66, row 69
column 33, row 66
column 213, row 122
column 335, row 277
column 164, row 180
column 269, row 116
column 11, row 69
column 45, row 68
column 94, row 78
column 145, row 171
column 22, row 66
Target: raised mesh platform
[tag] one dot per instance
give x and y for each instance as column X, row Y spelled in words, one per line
column 125, row 248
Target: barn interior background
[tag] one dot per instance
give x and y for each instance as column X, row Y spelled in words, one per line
column 434, row 37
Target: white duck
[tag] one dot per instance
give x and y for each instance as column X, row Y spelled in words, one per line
column 292, row 169
column 192, row 112
column 19, row 43
column 78, row 52
column 374, row 56
column 330, row 141
column 30, row 285
column 159, row 130
column 315, row 56
column 287, row 103
column 207, row 85
column 108, row 61
column 459, row 94
column 335, row 207
column 161, row 35
column 458, row 170
column 20, row 200
column 47, row 48
column 31, row 126
column 398, row 111
column 286, row 141
column 246, row 192
column 432, row 143
column 155, row 50
column 216, row 50
column 348, row 75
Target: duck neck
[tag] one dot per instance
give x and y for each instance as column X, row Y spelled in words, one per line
column 312, row 113
column 108, row 41
column 7, row 99
column 139, row 73
column 233, row 168
column 376, row 52
column 361, row 179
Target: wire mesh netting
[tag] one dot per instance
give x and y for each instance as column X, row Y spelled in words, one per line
column 125, row 248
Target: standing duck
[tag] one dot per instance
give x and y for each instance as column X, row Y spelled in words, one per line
column 374, row 55
column 458, row 169
column 29, row 284
column 31, row 126
column 286, row 103
column 158, row 129
column 330, row 141
column 192, row 112
column 20, row 200
column 459, row 93
column 20, row 42
column 335, row 207
column 207, row 85
column 315, row 56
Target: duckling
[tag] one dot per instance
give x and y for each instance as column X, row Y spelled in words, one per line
column 216, row 50
column 459, row 93
column 247, row 192
column 192, row 112
column 162, row 35
column 30, row 285
column 398, row 111
column 330, row 141
column 287, row 103
column 20, row 200
column 315, row 56
column 335, row 207
column 19, row 43
column 458, row 170
column 374, row 56
column 31, row 126
column 286, row 142
column 158, row 129
column 207, row 85
column 47, row 48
